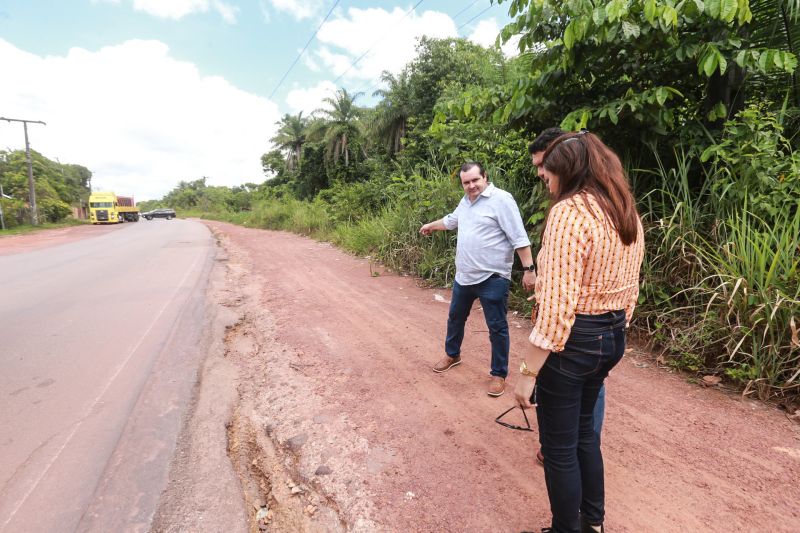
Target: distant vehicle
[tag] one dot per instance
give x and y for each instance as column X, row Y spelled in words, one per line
column 167, row 213
column 105, row 207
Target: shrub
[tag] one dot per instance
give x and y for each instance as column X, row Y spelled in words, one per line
column 753, row 297
column 52, row 210
column 754, row 163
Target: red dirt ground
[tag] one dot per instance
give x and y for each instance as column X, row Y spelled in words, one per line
column 678, row 457
column 335, row 381
column 27, row 242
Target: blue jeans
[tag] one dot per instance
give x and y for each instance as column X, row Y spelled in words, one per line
column 599, row 412
column 566, row 394
column 493, row 294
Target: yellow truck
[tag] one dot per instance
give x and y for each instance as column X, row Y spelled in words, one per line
column 105, row 207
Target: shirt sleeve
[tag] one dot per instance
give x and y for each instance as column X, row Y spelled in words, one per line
column 510, row 221
column 561, row 262
column 451, row 221
column 631, row 305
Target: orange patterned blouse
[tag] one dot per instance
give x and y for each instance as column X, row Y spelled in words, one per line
column 583, row 268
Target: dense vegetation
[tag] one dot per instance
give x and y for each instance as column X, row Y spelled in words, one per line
column 700, row 98
column 58, row 187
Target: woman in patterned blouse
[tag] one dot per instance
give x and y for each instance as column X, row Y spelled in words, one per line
column 586, row 289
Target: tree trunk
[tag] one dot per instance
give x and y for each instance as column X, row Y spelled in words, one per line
column 727, row 89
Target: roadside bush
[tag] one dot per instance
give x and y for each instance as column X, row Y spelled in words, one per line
column 363, row 238
column 14, row 213
column 721, row 287
column 289, row 214
column 52, row 210
column 752, row 297
column 754, row 163
column 351, row 202
column 310, row 219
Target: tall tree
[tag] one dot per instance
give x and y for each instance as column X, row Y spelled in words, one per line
column 390, row 120
column 339, row 125
column 291, row 137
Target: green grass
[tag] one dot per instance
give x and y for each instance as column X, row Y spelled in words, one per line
column 753, row 297
column 721, row 290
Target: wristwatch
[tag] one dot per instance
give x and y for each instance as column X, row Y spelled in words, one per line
column 525, row 371
column 531, row 268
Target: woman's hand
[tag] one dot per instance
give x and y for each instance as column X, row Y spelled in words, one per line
column 524, row 390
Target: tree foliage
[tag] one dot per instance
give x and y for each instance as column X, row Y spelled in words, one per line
column 339, row 127
column 649, row 65
column 291, row 137
column 58, row 186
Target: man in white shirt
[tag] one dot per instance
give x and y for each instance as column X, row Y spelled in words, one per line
column 490, row 229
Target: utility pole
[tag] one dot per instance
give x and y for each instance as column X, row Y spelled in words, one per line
column 2, row 219
column 31, row 188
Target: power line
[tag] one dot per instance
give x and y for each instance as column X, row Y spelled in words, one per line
column 476, row 16
column 454, row 17
column 304, row 49
column 373, row 44
column 465, row 9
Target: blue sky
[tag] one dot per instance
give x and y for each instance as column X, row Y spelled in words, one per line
column 150, row 92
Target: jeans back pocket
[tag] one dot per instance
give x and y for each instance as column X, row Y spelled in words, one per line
column 582, row 354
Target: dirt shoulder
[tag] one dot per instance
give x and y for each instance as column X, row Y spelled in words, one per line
column 342, row 425
column 28, row 242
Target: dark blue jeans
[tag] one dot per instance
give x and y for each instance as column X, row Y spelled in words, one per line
column 566, row 393
column 493, row 294
column 599, row 411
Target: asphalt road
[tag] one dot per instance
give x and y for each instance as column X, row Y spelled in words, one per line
column 100, row 342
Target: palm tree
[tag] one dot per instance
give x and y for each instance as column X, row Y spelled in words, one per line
column 291, row 137
column 339, row 125
column 391, row 114
column 776, row 24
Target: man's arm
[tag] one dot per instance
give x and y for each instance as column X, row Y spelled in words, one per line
column 437, row 225
column 526, row 258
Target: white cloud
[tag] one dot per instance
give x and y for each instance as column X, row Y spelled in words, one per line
column 177, row 9
column 336, row 63
column 309, row 99
column 299, row 9
column 310, row 64
column 485, row 34
column 262, row 6
column 393, row 36
column 511, row 48
column 139, row 119
column 226, row 11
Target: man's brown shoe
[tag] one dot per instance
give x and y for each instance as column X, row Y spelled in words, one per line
column 497, row 386
column 447, row 363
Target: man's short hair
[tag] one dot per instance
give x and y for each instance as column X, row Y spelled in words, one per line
column 543, row 140
column 466, row 167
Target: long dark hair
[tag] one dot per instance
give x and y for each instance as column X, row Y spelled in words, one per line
column 584, row 164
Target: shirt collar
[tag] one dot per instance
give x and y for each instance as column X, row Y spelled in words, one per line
column 487, row 193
